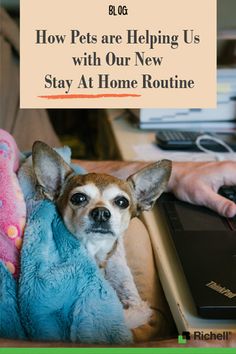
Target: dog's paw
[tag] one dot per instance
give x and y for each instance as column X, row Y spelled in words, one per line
column 137, row 315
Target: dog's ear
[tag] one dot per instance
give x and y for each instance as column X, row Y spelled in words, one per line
column 50, row 169
column 148, row 183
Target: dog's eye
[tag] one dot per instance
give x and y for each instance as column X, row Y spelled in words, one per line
column 78, row 199
column 121, row 202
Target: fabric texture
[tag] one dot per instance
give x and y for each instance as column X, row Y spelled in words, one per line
column 62, row 295
column 12, row 204
column 10, row 324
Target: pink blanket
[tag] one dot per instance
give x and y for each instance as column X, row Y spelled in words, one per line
column 12, row 204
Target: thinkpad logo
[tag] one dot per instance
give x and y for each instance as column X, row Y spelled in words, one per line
column 221, row 289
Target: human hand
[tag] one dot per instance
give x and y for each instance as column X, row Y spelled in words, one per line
column 199, row 182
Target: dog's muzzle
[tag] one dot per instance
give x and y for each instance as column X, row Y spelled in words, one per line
column 100, row 217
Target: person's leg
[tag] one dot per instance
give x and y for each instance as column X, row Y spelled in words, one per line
column 140, row 258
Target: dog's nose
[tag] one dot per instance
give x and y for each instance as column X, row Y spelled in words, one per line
column 100, row 214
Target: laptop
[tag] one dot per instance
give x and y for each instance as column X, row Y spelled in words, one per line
column 206, row 247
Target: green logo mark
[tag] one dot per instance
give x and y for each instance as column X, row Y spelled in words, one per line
column 182, row 338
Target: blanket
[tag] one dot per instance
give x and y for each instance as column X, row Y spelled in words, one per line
column 12, row 222
column 12, row 204
column 61, row 293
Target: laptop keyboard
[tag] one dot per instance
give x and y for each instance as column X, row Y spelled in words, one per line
column 230, row 193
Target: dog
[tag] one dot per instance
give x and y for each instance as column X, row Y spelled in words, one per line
column 97, row 209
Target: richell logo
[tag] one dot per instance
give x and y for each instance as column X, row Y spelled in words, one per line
column 200, row 335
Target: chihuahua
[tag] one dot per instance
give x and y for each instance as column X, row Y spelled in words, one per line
column 97, row 209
